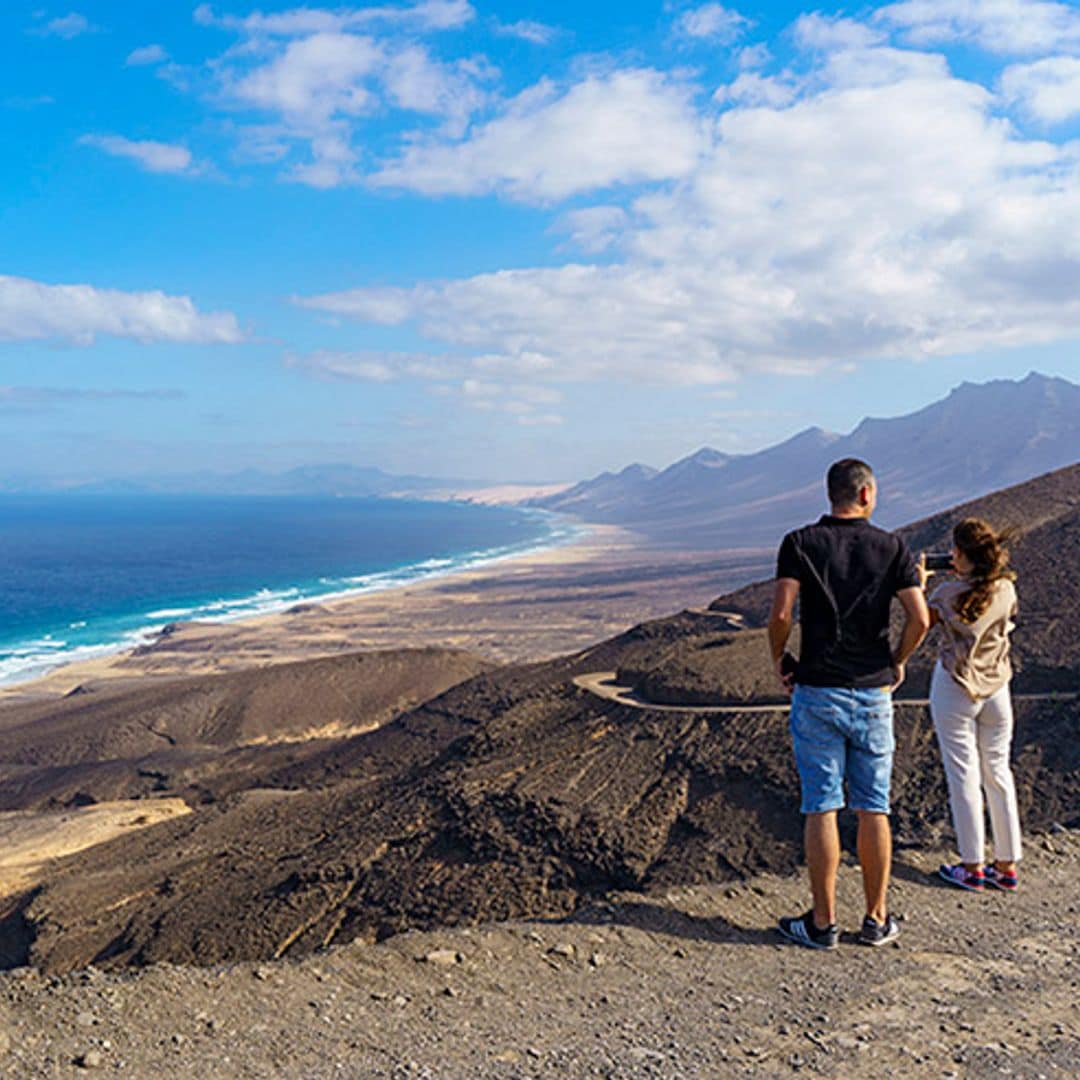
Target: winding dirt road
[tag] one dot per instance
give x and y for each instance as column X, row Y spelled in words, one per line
column 604, row 684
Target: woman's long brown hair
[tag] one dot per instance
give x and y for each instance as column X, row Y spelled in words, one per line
column 989, row 554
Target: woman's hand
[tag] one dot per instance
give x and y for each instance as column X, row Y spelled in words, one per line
column 924, row 574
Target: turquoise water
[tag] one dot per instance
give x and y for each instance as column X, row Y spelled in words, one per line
column 85, row 575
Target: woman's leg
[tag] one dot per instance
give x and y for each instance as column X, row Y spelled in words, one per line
column 995, row 728
column 953, row 713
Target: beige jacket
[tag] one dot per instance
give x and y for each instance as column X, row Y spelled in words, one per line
column 976, row 654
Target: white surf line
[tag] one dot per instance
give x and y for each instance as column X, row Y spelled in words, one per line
column 603, row 685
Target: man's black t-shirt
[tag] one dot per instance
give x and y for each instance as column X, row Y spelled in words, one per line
column 848, row 572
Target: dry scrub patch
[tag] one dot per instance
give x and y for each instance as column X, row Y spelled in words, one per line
column 30, row 842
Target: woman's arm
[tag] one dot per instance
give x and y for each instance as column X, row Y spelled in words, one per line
column 924, row 580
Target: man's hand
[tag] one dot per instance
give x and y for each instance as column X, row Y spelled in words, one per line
column 787, row 678
column 899, row 671
column 916, row 624
column 780, row 620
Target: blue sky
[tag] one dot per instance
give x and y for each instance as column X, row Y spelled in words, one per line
column 520, row 241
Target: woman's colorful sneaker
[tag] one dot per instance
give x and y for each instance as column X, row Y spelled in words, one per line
column 960, row 876
column 993, row 876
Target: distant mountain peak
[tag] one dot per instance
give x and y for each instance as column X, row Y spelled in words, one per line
column 1032, row 380
column 709, row 457
column 815, row 432
column 635, row 471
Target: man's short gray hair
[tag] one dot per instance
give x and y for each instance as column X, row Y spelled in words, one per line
column 846, row 478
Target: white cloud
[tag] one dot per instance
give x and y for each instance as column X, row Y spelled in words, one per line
column 315, row 79
column 753, row 56
column 156, row 157
column 882, row 66
column 521, row 402
column 1048, row 90
column 315, row 86
column 30, row 310
column 573, row 322
column 713, row 21
column 68, row 26
column 1006, row 27
column 824, row 32
column 146, row 55
column 376, row 366
column 595, row 228
column 527, row 30
column 415, row 81
column 481, row 383
column 878, row 208
column 547, row 145
column 753, row 89
column 427, row 15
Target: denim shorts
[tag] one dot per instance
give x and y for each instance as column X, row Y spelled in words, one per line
column 841, row 734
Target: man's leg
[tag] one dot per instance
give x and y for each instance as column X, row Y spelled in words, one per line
column 819, row 757
column 875, row 858
column 822, row 839
column 869, row 774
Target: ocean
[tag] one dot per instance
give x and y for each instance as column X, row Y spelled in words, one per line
column 84, row 575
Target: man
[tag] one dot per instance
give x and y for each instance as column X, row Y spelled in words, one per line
column 845, row 572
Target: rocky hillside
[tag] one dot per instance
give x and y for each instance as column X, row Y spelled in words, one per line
column 199, row 737
column 513, row 794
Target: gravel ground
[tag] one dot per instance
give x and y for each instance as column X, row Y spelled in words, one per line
column 691, row 982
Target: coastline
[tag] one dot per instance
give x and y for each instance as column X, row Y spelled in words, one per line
column 201, row 593
column 275, row 600
column 520, row 606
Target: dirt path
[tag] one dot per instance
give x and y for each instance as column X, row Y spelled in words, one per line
column 690, row 983
column 605, row 684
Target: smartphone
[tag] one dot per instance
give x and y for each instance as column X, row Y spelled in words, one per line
column 938, row 560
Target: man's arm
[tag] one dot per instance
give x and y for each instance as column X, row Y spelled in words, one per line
column 916, row 625
column 780, row 622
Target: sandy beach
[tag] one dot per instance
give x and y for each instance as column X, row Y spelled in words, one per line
column 524, row 607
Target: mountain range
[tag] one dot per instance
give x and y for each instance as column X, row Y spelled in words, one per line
column 982, row 437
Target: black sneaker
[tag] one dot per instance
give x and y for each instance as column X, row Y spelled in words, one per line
column 801, row 930
column 875, row 933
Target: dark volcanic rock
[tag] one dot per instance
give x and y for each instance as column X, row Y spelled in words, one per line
column 696, row 659
column 513, row 794
column 177, row 736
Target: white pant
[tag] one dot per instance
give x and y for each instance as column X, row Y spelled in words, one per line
column 974, row 738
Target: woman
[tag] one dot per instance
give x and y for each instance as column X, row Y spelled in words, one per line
column 971, row 707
